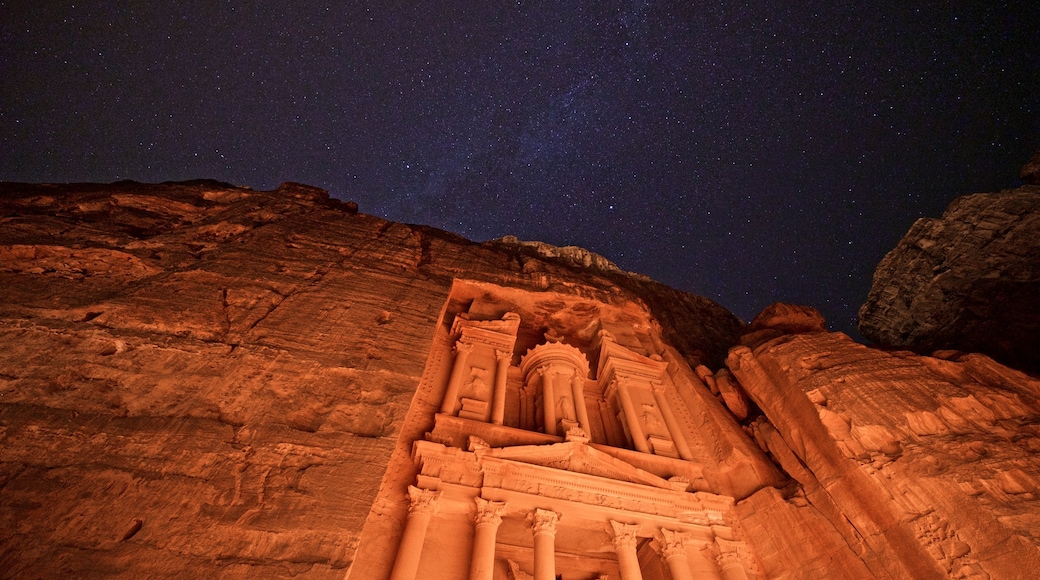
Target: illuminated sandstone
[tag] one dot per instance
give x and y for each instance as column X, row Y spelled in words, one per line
column 198, row 380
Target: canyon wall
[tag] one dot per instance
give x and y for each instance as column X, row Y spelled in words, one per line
column 203, row 380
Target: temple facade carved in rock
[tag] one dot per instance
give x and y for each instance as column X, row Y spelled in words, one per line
column 553, row 445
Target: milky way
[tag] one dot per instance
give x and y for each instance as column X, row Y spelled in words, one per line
column 750, row 153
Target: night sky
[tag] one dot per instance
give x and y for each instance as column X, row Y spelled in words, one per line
column 747, row 152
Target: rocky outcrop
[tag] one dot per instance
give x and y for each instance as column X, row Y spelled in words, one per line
column 968, row 281
column 1031, row 171
column 923, row 467
column 203, row 380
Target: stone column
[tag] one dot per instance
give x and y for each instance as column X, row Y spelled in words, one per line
column 548, row 399
column 543, row 525
column 451, row 394
column 625, row 539
column 423, row 506
column 730, row 556
column 498, row 401
column 672, row 546
column 673, row 425
column 638, row 437
column 578, row 392
column 488, row 518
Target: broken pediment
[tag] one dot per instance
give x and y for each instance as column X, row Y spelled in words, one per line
column 578, row 457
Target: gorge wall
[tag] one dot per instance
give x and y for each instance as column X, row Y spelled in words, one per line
column 204, row 380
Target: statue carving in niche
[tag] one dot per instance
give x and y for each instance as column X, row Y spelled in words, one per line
column 637, row 389
column 475, row 391
column 565, row 408
column 475, row 396
column 652, row 420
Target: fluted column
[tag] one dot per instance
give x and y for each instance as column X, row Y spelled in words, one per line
column 673, row 425
column 548, row 399
column 543, row 526
column 672, row 546
column 625, row 538
column 638, row 437
column 498, row 401
column 578, row 392
column 451, row 394
column 423, row 506
column 488, row 518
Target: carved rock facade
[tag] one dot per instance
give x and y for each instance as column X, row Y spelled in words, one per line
column 198, row 380
column 571, row 446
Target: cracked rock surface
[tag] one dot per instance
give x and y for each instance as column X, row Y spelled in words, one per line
column 969, row 281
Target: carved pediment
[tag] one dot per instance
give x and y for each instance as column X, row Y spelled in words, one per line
column 579, row 458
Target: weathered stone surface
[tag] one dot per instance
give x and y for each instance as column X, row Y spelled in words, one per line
column 732, row 394
column 208, row 381
column 924, row 467
column 203, row 380
column 968, row 281
column 791, row 318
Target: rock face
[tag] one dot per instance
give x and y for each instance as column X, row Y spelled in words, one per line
column 199, row 380
column 924, row 467
column 1031, row 171
column 968, row 281
column 203, row 380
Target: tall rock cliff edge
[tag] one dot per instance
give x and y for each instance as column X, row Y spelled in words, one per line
column 968, row 281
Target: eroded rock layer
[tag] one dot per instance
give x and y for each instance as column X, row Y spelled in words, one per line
column 203, row 380
column 968, row 281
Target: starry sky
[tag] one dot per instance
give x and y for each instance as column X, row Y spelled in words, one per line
column 746, row 151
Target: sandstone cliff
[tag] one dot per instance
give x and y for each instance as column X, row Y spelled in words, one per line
column 967, row 281
column 924, row 467
column 209, row 381
column 201, row 378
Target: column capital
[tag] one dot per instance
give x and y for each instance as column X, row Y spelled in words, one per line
column 463, row 347
column 625, row 535
column 488, row 512
column 673, row 544
column 423, row 501
column 502, row 355
column 729, row 553
column 543, row 521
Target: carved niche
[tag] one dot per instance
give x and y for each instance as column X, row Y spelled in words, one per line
column 483, row 350
column 557, row 373
column 637, row 388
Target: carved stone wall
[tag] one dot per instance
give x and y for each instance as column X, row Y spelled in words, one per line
column 198, row 380
column 579, row 491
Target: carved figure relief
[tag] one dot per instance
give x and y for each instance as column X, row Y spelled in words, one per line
column 474, row 390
